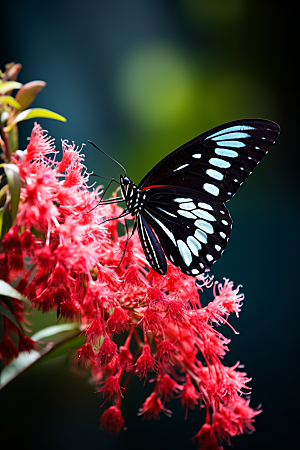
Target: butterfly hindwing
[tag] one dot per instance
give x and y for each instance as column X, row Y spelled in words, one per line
column 151, row 246
column 192, row 232
column 217, row 162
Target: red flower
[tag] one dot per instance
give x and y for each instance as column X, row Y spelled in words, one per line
column 234, row 418
column 69, row 309
column 168, row 387
column 145, row 363
column 118, row 321
column 125, row 359
column 166, row 351
column 8, row 350
column 84, row 354
column 152, row 407
column 26, row 344
column 112, row 421
column 206, row 438
column 94, row 331
column 107, row 351
column 189, row 396
column 112, row 388
column 153, row 322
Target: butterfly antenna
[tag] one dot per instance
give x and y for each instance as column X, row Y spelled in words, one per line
column 93, row 174
column 110, row 157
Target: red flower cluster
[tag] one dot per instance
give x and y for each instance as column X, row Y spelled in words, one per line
column 73, row 260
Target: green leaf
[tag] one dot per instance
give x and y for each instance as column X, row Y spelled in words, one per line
column 9, row 86
column 13, row 139
column 18, row 365
column 13, row 178
column 5, row 220
column 54, row 330
column 9, row 291
column 28, row 92
column 8, row 100
column 8, row 314
column 3, row 194
column 3, row 211
column 33, row 113
column 26, row 360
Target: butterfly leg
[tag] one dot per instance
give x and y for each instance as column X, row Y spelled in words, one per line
column 126, row 243
column 124, row 214
column 102, row 195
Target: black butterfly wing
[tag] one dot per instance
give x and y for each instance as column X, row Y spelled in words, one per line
column 151, row 246
column 192, row 232
column 217, row 162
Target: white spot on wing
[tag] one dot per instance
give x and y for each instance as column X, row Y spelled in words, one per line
column 226, row 152
column 224, row 222
column 195, row 271
column 211, row 189
column 230, row 129
column 237, row 144
column 209, row 257
column 186, row 214
column 215, row 174
column 143, row 229
column 236, row 135
column 188, row 206
column 201, row 236
column 166, row 212
column 223, row 235
column 204, row 215
column 183, row 199
column 181, row 167
column 194, row 245
column 218, row 248
column 166, row 230
column 217, row 162
column 185, row 252
column 197, row 155
column 205, row 226
column 205, row 206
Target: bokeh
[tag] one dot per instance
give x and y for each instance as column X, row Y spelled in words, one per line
column 140, row 78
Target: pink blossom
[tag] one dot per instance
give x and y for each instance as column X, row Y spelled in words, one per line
column 112, row 420
column 152, row 407
column 145, row 363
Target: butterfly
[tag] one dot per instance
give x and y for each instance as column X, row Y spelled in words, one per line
column 178, row 206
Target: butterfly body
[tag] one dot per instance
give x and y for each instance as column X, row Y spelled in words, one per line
column 179, row 208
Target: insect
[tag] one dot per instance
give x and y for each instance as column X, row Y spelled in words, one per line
column 178, row 206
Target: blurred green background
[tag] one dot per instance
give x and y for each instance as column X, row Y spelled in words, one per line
column 140, row 78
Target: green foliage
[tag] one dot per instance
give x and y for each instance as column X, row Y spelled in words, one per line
column 12, row 112
column 63, row 337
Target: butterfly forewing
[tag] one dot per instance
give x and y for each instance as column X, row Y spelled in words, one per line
column 217, row 162
column 192, row 232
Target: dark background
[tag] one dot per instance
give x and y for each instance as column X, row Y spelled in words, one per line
column 140, row 78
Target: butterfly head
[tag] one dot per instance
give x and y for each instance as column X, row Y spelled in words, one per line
column 124, row 183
